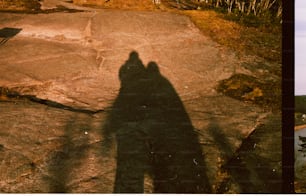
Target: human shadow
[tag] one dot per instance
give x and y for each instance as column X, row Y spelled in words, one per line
column 7, row 33
column 154, row 134
column 72, row 152
column 220, row 139
column 250, row 168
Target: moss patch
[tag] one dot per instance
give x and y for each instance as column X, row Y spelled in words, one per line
column 250, row 89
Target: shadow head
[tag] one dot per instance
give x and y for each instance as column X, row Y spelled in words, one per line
column 153, row 68
column 133, row 68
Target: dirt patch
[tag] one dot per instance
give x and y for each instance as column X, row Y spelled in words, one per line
column 250, row 89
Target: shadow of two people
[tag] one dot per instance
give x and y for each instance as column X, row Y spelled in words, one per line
column 154, row 134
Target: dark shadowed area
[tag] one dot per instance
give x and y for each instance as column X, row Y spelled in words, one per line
column 255, row 166
column 154, row 134
column 7, row 33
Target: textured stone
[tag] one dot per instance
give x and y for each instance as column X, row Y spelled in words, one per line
column 91, row 124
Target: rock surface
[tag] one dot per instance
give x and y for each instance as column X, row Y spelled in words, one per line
column 74, row 59
column 299, row 158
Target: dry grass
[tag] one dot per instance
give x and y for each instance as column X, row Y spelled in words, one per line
column 118, row 4
column 19, row 5
column 261, row 41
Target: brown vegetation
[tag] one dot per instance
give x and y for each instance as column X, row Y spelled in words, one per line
column 250, row 89
column 262, row 41
column 118, row 4
column 19, row 5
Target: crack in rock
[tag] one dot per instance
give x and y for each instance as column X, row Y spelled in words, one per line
column 7, row 95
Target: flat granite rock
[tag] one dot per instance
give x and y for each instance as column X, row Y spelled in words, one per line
column 122, row 95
